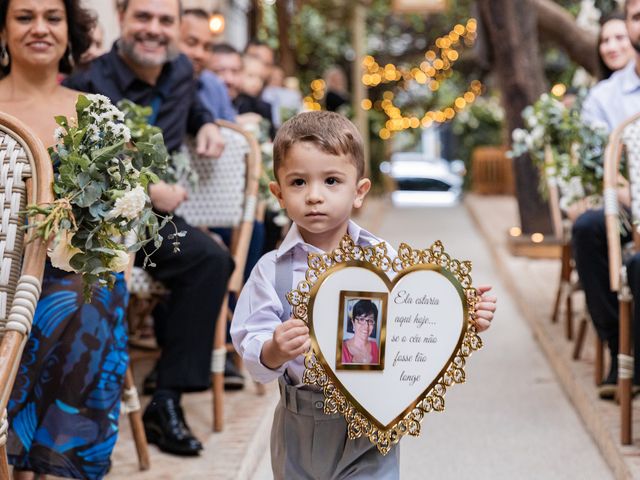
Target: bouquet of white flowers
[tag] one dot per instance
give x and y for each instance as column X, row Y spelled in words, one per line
column 101, row 180
column 567, row 151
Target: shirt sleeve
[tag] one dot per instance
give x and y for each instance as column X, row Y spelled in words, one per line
column 228, row 112
column 199, row 114
column 593, row 112
column 256, row 316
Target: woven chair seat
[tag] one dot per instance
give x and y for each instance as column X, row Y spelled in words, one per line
column 142, row 283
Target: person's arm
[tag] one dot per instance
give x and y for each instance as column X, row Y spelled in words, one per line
column 209, row 140
column 593, row 111
column 199, row 114
column 290, row 340
column 255, row 321
column 166, row 198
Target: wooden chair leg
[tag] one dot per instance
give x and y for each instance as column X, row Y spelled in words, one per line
column 4, row 463
column 565, row 280
column 569, row 324
column 625, row 370
column 132, row 404
column 582, row 334
column 556, row 303
column 217, row 366
column 599, row 361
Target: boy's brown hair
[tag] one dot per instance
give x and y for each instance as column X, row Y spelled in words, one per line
column 330, row 132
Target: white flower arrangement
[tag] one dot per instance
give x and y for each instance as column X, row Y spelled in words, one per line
column 568, row 152
column 100, row 186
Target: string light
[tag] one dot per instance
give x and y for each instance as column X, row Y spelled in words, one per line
column 312, row 102
column 438, row 61
column 436, row 67
column 398, row 122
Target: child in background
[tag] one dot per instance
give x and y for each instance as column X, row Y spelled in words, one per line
column 319, row 169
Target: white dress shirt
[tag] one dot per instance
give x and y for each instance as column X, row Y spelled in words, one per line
column 259, row 309
column 611, row 101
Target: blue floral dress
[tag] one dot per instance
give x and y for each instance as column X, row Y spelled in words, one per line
column 65, row 404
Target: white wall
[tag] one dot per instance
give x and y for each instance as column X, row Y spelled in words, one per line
column 107, row 17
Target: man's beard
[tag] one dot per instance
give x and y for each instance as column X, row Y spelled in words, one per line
column 127, row 48
column 636, row 45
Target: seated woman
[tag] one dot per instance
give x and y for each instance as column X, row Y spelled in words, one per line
column 65, row 403
column 589, row 239
column 360, row 349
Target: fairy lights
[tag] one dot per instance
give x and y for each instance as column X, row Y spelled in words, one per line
column 436, row 68
column 398, row 122
column 438, row 60
column 312, row 102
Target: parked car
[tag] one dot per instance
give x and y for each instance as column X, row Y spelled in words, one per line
column 422, row 181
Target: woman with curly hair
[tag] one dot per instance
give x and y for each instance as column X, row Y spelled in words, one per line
column 65, row 403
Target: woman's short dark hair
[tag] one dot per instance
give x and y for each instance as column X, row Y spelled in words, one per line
column 363, row 307
column 605, row 72
column 80, row 22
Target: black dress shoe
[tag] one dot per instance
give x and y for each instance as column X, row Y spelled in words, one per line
column 165, row 427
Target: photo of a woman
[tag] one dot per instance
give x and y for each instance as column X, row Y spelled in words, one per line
column 361, row 331
column 361, row 348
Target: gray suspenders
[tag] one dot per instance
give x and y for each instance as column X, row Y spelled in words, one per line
column 284, row 282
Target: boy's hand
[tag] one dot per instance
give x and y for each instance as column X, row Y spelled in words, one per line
column 484, row 309
column 290, row 339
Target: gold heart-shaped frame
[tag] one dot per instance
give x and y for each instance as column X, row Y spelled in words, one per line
column 376, row 258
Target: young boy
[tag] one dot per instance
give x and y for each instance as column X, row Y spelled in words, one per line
column 319, row 169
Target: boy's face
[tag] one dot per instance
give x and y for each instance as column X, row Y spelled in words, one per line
column 319, row 190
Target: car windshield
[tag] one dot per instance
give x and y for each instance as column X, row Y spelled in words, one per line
column 422, row 184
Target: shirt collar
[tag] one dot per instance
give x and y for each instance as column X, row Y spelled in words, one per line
column 629, row 78
column 293, row 239
column 125, row 77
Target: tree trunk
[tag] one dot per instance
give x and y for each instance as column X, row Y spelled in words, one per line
column 559, row 26
column 513, row 45
column 254, row 19
column 287, row 57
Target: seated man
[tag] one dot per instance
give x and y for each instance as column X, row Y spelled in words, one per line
column 237, row 73
column 195, row 42
column 146, row 67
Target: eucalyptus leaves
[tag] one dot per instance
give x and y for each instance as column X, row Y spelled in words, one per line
column 567, row 151
column 104, row 163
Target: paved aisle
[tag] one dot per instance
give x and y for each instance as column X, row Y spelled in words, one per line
column 511, row 419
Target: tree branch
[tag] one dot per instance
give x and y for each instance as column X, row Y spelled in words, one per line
column 559, row 26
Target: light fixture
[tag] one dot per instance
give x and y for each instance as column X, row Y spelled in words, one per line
column 216, row 23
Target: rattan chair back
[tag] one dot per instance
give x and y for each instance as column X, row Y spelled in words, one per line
column 25, row 177
column 625, row 138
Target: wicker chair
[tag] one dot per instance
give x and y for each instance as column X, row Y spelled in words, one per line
column 568, row 283
column 226, row 197
column 624, row 138
column 25, row 177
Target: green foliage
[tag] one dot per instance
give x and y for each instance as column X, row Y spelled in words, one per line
column 565, row 149
column 105, row 162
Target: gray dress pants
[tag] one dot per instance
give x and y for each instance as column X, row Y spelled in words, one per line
column 307, row 444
